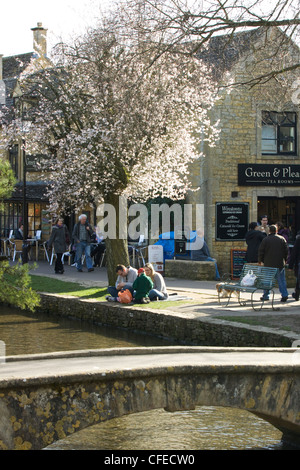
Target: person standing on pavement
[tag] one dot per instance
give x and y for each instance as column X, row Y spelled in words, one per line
column 264, row 227
column 294, row 263
column 82, row 235
column 253, row 238
column 273, row 252
column 60, row 240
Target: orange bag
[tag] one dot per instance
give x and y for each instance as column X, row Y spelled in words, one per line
column 125, row 296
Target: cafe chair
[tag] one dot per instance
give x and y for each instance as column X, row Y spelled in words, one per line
column 17, row 247
column 8, row 244
column 38, row 235
column 102, row 258
column 53, row 255
column 44, row 248
column 67, row 253
column 10, row 247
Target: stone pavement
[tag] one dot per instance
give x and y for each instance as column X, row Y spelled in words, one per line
column 36, row 366
column 201, row 299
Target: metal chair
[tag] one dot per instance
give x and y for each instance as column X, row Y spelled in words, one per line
column 44, row 248
column 102, row 258
column 53, row 254
column 67, row 253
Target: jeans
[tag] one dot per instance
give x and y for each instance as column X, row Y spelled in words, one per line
column 83, row 248
column 113, row 291
column 153, row 294
column 280, row 276
column 217, row 278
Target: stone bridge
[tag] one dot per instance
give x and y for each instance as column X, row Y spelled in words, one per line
column 44, row 398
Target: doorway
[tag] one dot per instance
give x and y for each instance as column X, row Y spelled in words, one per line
column 285, row 210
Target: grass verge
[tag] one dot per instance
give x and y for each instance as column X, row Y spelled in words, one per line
column 57, row 286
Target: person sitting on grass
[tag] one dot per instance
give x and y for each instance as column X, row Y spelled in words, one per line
column 142, row 286
column 125, row 279
column 159, row 290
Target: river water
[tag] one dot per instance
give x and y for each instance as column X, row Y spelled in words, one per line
column 205, row 428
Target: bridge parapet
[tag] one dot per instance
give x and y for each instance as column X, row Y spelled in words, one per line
column 44, row 398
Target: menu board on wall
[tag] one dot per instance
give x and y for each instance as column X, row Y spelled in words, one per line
column 231, row 220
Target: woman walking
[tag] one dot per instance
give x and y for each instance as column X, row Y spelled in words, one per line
column 60, row 240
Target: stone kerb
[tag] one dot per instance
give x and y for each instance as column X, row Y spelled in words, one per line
column 196, row 270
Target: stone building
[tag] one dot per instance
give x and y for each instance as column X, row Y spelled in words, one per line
column 11, row 96
column 254, row 169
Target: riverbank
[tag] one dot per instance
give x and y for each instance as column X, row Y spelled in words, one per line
column 197, row 319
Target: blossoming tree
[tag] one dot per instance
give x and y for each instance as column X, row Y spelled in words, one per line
column 113, row 122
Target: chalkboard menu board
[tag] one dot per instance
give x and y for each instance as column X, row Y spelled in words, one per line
column 238, row 259
column 179, row 242
column 231, row 220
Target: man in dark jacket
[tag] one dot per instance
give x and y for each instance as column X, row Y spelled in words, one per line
column 273, row 253
column 253, row 238
column 82, row 235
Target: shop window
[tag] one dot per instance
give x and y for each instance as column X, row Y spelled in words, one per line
column 279, row 136
column 12, row 216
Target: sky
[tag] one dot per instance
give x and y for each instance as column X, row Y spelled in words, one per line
column 62, row 18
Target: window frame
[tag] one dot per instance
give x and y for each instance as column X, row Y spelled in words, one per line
column 277, row 127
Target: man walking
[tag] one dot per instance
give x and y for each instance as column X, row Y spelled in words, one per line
column 273, row 253
column 82, row 235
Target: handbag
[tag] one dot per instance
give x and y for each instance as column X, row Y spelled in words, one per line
column 125, row 296
column 248, row 280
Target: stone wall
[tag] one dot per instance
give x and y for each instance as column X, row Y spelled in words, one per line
column 197, row 270
column 182, row 328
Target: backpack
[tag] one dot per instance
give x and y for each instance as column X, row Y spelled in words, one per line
column 125, row 296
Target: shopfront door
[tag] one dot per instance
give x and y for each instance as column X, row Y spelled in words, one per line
column 285, row 210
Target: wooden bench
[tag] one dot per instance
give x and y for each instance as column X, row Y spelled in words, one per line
column 265, row 280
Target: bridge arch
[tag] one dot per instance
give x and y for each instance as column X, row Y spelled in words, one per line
column 36, row 411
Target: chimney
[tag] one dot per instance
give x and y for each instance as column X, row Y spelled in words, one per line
column 2, row 84
column 40, row 40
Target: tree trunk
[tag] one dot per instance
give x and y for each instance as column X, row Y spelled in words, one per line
column 116, row 248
